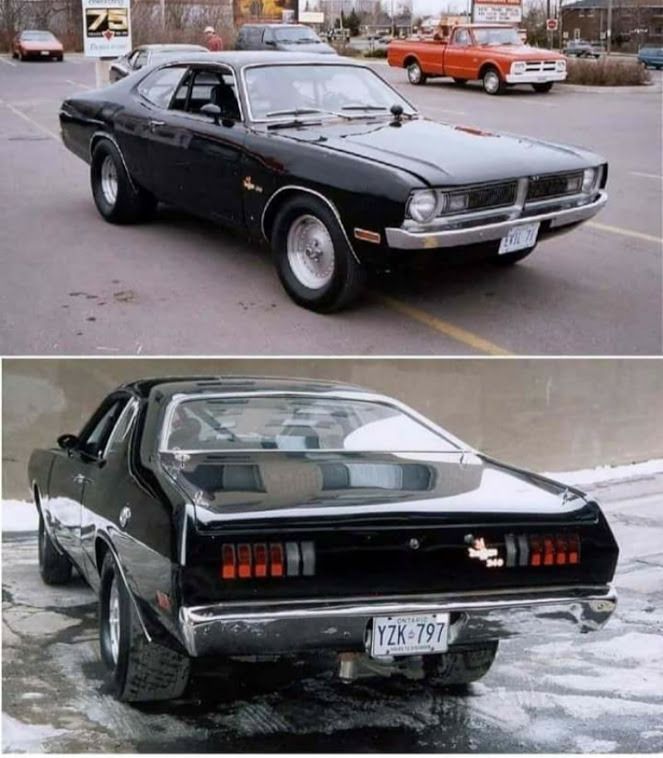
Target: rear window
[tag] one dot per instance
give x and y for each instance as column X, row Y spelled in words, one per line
column 288, row 422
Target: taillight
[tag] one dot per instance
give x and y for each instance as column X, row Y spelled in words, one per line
column 554, row 550
column 259, row 560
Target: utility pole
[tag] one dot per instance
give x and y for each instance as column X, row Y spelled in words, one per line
column 608, row 33
column 162, row 7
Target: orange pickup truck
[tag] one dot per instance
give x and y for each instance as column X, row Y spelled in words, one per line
column 492, row 53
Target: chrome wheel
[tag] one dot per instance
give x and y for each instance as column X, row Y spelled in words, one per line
column 491, row 82
column 114, row 620
column 310, row 252
column 414, row 73
column 109, row 180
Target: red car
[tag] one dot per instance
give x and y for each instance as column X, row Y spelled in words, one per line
column 37, row 44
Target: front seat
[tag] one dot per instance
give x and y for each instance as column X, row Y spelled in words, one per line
column 222, row 95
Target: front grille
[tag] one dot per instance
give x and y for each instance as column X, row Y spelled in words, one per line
column 554, row 185
column 535, row 67
column 491, row 196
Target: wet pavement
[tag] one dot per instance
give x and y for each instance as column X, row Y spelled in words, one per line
column 601, row 692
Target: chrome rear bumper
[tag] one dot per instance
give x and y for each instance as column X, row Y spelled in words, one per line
column 295, row 626
column 421, row 240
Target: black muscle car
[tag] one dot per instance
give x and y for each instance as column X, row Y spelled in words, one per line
column 326, row 161
column 248, row 516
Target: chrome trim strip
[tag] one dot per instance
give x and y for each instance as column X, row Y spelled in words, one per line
column 331, row 205
column 402, row 238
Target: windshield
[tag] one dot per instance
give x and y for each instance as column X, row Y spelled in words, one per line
column 276, row 91
column 42, row 36
column 497, row 36
column 289, row 422
column 295, row 35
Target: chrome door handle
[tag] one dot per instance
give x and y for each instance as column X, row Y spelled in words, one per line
column 81, row 479
column 125, row 515
column 154, row 124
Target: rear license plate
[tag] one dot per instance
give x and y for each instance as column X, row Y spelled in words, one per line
column 45, row 52
column 410, row 635
column 519, row 238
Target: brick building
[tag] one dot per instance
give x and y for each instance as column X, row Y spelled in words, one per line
column 634, row 22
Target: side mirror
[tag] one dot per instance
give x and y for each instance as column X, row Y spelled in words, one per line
column 67, row 441
column 211, row 110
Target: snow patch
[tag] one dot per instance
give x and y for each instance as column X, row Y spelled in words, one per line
column 634, row 646
column 18, row 737
column 608, row 473
column 19, row 516
column 590, row 745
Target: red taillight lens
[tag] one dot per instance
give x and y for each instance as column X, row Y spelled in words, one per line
column 561, row 554
column 260, row 561
column 276, row 559
column 535, row 551
column 574, row 549
column 244, row 556
column 548, row 551
column 228, row 569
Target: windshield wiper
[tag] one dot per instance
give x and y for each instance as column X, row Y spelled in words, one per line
column 294, row 122
column 293, row 112
column 373, row 108
column 301, row 112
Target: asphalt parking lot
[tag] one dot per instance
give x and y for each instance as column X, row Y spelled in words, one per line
column 601, row 692
column 72, row 284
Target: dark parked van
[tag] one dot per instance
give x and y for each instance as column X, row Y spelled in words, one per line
column 291, row 38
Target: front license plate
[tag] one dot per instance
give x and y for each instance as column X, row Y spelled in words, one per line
column 519, row 238
column 45, row 52
column 410, row 635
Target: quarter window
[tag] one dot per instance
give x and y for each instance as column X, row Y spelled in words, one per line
column 93, row 442
column 159, row 86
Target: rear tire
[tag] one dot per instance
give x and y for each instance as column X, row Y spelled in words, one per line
column 509, row 259
column 459, row 667
column 117, row 200
column 415, row 75
column 542, row 87
column 139, row 670
column 493, row 83
column 313, row 259
column 54, row 567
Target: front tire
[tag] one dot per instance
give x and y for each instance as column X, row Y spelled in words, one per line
column 492, row 82
column 542, row 86
column 54, row 567
column 415, row 74
column 139, row 670
column 313, row 258
column 460, row 667
column 117, row 200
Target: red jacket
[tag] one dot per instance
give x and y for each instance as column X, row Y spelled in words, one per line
column 214, row 43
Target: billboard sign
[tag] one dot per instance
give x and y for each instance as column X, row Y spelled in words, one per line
column 106, row 28
column 310, row 12
column 497, row 11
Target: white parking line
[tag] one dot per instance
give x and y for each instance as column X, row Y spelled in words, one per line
column 647, row 176
column 7, row 61
column 31, row 121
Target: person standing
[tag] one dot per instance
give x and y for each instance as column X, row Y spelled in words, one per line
column 213, row 42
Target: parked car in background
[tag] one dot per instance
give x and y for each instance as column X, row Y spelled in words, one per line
column 146, row 55
column 323, row 159
column 651, row 56
column 580, row 48
column 294, row 38
column 246, row 516
column 37, row 44
column 491, row 53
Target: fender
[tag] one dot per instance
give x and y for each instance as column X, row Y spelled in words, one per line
column 98, row 135
column 111, row 548
column 47, row 526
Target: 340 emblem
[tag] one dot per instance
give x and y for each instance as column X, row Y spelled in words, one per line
column 489, row 555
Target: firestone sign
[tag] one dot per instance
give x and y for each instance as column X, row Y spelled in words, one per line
column 106, row 28
column 502, row 11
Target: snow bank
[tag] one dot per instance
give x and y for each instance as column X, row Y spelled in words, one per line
column 609, row 473
column 19, row 516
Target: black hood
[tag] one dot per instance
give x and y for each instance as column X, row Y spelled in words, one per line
column 445, row 154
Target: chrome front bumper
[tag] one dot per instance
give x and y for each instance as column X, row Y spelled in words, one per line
column 296, row 626
column 536, row 77
column 421, row 240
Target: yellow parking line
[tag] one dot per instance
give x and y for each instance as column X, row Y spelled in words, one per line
column 625, row 232
column 444, row 327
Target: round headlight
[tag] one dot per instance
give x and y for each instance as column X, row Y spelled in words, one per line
column 588, row 179
column 561, row 65
column 422, row 205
